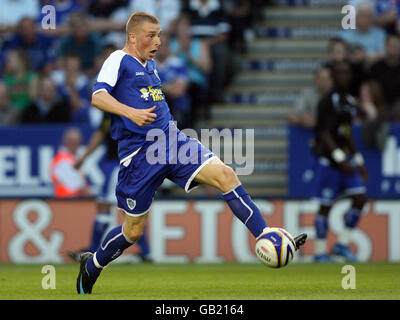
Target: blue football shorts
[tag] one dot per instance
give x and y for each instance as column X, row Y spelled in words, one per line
column 331, row 183
column 140, row 175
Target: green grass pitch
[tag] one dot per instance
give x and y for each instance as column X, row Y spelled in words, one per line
column 228, row 281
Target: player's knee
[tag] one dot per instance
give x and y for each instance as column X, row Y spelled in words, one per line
column 133, row 233
column 227, row 178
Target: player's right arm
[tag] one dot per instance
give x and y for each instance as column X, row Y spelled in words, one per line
column 107, row 78
column 106, row 102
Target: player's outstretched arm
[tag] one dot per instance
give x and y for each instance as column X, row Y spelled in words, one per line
column 106, row 102
column 96, row 139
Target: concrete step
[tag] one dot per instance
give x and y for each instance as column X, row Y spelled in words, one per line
column 281, row 65
column 270, row 89
column 310, row 3
column 269, row 132
column 285, row 46
column 245, row 123
column 272, row 79
column 250, row 113
column 295, row 56
column 275, row 180
column 259, row 96
column 298, row 32
column 321, row 15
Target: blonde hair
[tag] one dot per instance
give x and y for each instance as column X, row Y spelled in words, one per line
column 137, row 18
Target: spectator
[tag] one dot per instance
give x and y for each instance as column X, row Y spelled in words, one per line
column 196, row 54
column 304, row 113
column 73, row 85
column 337, row 51
column 371, row 38
column 48, row 107
column 167, row 11
column 82, row 42
column 209, row 22
column 376, row 128
column 173, row 74
column 388, row 15
column 63, row 10
column 386, row 72
column 8, row 115
column 68, row 181
column 38, row 46
column 12, row 11
column 358, row 59
column 108, row 17
column 239, row 14
column 20, row 80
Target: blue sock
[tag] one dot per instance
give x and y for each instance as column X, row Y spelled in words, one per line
column 111, row 248
column 99, row 227
column 321, row 226
column 352, row 217
column 245, row 210
column 143, row 244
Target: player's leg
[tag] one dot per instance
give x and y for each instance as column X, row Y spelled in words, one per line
column 321, row 230
column 116, row 241
column 351, row 220
column 219, row 175
column 326, row 189
column 100, row 225
column 144, row 247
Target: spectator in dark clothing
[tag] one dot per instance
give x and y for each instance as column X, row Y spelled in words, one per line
column 376, row 127
column 104, row 8
column 386, row 71
column 82, row 42
column 48, row 107
column 358, row 59
column 196, row 54
column 209, row 22
column 8, row 115
column 38, row 46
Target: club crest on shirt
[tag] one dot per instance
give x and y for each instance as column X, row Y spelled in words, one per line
column 131, row 203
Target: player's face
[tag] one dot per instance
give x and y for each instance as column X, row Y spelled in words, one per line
column 147, row 40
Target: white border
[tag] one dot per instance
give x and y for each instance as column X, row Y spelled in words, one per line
column 194, row 174
column 134, row 214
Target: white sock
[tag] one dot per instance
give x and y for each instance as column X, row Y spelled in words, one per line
column 345, row 236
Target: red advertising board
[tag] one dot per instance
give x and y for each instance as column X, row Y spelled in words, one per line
column 41, row 231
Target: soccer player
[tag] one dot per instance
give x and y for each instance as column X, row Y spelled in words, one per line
column 128, row 87
column 340, row 168
column 106, row 198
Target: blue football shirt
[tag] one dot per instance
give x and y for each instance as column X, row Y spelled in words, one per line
column 138, row 86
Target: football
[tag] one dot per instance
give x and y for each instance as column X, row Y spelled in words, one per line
column 275, row 247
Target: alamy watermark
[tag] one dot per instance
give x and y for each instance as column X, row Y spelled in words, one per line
column 234, row 146
column 49, row 20
column 349, row 280
column 49, row 280
column 349, row 20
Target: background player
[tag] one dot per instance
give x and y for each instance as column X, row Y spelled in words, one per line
column 340, row 168
column 128, row 87
column 106, row 200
